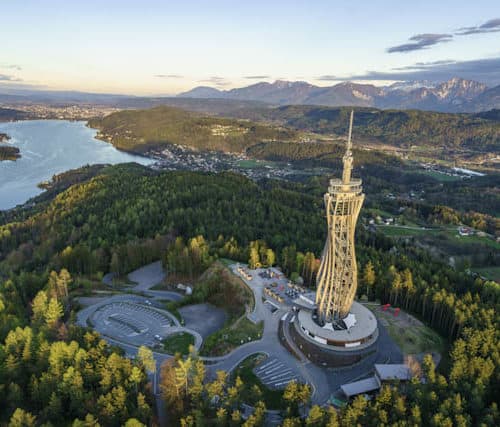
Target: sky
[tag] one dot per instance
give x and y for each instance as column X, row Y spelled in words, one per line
column 163, row 47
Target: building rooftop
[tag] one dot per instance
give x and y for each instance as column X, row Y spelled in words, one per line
column 306, row 300
column 359, row 387
column 365, row 325
column 393, row 372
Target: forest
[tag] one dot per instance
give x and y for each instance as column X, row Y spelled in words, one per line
column 403, row 128
column 9, row 153
column 141, row 130
column 122, row 217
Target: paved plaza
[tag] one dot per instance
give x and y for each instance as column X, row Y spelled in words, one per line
column 203, row 318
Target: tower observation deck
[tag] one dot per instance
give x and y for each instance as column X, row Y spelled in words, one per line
column 337, row 277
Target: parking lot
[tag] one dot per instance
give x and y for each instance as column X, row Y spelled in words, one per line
column 275, row 374
column 277, row 288
column 132, row 322
column 203, row 318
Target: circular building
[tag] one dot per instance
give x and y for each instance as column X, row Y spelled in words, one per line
column 332, row 344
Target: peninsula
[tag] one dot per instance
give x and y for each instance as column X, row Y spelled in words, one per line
column 8, row 152
column 4, row 137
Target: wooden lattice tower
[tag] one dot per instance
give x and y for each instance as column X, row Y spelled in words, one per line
column 337, row 277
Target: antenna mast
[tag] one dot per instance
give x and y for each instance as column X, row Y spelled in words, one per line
column 349, row 143
column 347, row 159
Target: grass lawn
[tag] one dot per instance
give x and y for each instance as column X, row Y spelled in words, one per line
column 231, row 336
column 440, row 176
column 122, row 281
column 171, row 307
column 411, row 335
column 226, row 261
column 492, row 273
column 250, row 164
column 178, row 343
column 464, row 240
column 273, row 398
column 395, row 230
column 415, row 340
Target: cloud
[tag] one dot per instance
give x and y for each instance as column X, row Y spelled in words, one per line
column 484, row 70
column 10, row 66
column 421, row 41
column 216, row 81
column 491, row 26
column 421, row 65
column 426, row 40
column 9, row 78
column 169, row 76
column 256, row 77
column 328, row 78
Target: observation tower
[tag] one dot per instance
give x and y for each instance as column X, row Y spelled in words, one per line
column 337, row 277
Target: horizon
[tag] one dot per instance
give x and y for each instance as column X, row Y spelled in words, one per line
column 27, row 91
column 163, row 50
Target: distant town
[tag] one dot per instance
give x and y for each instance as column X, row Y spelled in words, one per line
column 62, row 112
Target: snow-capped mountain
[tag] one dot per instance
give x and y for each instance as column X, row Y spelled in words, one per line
column 453, row 95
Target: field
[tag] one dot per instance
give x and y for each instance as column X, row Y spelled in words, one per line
column 492, row 273
column 273, row 398
column 476, row 239
column 443, row 232
column 178, row 343
column 231, row 336
column 412, row 336
column 440, row 176
column 396, row 230
column 250, row 164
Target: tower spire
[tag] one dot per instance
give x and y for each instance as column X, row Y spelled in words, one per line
column 349, row 143
column 347, row 159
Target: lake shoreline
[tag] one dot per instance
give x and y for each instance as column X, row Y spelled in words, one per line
column 4, row 137
column 143, row 154
column 9, row 153
column 50, row 147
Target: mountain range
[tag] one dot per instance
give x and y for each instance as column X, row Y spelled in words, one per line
column 454, row 95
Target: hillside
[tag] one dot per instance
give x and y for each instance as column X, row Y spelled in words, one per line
column 142, row 130
column 479, row 132
column 485, row 101
column 10, row 114
column 98, row 224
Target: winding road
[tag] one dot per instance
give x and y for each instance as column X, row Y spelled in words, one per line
column 323, row 381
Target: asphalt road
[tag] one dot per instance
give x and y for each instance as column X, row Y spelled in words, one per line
column 269, row 344
column 324, row 382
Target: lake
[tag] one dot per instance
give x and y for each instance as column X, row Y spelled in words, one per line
column 49, row 147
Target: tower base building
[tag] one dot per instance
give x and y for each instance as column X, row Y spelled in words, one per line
column 331, row 345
